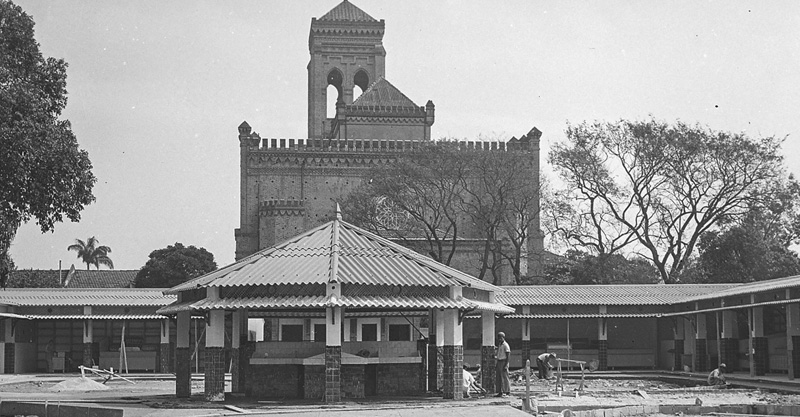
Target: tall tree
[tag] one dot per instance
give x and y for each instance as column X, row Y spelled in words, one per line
column 662, row 185
column 173, row 265
column 43, row 173
column 92, row 253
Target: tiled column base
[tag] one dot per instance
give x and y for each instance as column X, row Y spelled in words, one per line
column 526, row 352
column 183, row 373
column 439, row 368
column 215, row 374
column 164, row 358
column 453, row 372
column 333, row 374
column 602, row 355
column 87, row 355
column 433, row 360
column 761, row 357
column 236, row 386
column 422, row 349
column 700, row 355
column 795, row 356
column 730, row 354
column 678, row 358
column 9, row 351
column 487, row 367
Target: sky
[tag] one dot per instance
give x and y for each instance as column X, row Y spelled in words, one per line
column 158, row 88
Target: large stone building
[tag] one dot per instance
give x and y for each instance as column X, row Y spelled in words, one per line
column 288, row 185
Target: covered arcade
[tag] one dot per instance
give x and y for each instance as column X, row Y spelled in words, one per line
column 347, row 314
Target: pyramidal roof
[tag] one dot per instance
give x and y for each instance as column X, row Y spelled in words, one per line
column 336, row 251
column 347, row 12
column 383, row 93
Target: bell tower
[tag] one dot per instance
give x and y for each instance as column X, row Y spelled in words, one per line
column 346, row 48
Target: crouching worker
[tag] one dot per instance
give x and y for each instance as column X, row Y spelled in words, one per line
column 470, row 383
column 717, row 376
column 545, row 362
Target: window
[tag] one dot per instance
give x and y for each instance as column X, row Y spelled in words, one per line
column 399, row 332
column 292, row 333
column 369, row 332
column 319, row 332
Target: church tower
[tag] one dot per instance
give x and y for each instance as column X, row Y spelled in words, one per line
column 346, row 47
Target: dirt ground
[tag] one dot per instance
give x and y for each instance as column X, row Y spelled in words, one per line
column 597, row 393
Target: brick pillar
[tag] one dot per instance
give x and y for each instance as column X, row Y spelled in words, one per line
column 9, row 352
column 761, row 357
column 164, row 358
column 88, row 338
column 87, row 354
column 796, row 356
column 526, row 352
column 700, row 355
column 333, row 374
column 238, row 341
column 730, row 354
column 214, row 373
column 488, row 362
column 602, row 355
column 422, row 349
column 439, row 315
column 453, row 372
column 183, row 372
column 678, row 360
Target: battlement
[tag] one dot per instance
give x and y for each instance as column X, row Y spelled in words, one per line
column 527, row 142
column 356, row 110
column 281, row 207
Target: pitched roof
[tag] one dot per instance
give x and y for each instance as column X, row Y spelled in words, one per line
column 383, row 93
column 53, row 275
column 347, row 12
column 336, row 251
column 132, row 297
column 751, row 288
column 639, row 294
column 113, row 278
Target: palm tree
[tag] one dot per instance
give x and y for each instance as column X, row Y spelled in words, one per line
column 92, row 254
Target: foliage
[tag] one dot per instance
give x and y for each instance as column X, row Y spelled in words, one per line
column 656, row 187
column 174, row 265
column 30, row 278
column 756, row 247
column 431, row 199
column 578, row 267
column 6, row 266
column 91, row 253
column 43, row 173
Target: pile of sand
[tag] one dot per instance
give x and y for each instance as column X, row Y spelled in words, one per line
column 78, row 384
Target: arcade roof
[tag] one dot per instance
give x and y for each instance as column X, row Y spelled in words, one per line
column 640, row 294
column 54, row 297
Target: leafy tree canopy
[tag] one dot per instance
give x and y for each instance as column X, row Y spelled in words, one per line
column 654, row 188
column 583, row 268
column 173, row 265
column 44, row 175
column 91, row 253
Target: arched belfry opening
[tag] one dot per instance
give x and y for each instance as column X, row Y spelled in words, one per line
column 360, row 83
column 334, row 92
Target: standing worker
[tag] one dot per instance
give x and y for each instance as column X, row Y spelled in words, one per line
column 502, row 381
column 545, row 363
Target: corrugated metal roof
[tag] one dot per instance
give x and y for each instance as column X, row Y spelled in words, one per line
column 580, row 316
column 132, row 297
column 750, row 288
column 98, row 317
column 364, row 258
column 347, row 12
column 640, row 294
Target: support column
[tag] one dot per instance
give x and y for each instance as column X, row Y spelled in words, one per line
column 488, row 349
column 215, row 353
column 440, row 350
column 602, row 341
column 793, row 337
column 238, row 330
column 433, row 353
column 729, row 354
column 678, row 336
column 526, row 336
column 88, row 338
column 164, row 349
column 759, row 356
column 183, row 374
column 333, row 347
column 700, row 344
column 453, row 351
